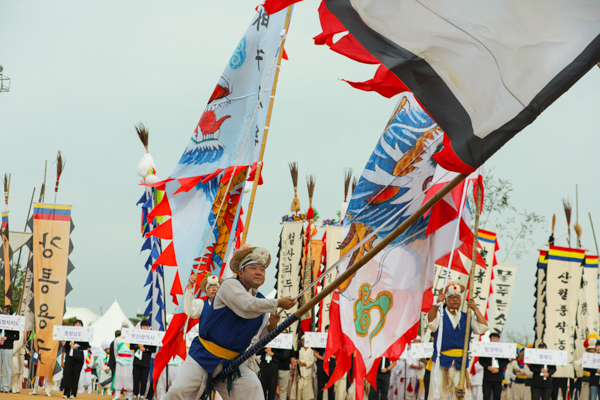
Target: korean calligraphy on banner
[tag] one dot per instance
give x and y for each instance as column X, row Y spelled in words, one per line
column 6, row 257
column 334, row 239
column 540, row 297
column 483, row 276
column 563, row 280
column 51, row 245
column 587, row 317
column 503, row 284
column 288, row 267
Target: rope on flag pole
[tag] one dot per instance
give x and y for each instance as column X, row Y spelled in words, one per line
column 342, row 277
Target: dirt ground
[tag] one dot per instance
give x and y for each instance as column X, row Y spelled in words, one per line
column 55, row 395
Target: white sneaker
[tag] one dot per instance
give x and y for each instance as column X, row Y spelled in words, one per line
column 72, row 396
column 48, row 394
column 34, row 394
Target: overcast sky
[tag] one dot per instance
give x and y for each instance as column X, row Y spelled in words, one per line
column 83, row 73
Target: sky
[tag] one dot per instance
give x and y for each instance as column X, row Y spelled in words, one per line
column 84, row 73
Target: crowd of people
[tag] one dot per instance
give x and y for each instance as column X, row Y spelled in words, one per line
column 234, row 316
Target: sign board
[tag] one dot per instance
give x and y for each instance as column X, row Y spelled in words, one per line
column 12, row 323
column 494, row 349
column 591, row 360
column 283, row 341
column 546, row 357
column 421, row 350
column 73, row 333
column 142, row 336
column 315, row 340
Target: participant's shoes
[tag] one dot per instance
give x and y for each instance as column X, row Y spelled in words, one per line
column 34, row 394
column 48, row 394
column 72, row 396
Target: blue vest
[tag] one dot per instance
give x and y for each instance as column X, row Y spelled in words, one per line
column 226, row 329
column 452, row 339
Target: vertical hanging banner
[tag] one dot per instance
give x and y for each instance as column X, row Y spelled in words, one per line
column 503, row 284
column 6, row 258
column 288, row 267
column 51, row 247
column 332, row 245
column 563, row 280
column 540, row 297
column 587, row 316
column 483, row 276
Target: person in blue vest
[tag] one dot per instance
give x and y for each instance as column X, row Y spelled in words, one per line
column 209, row 285
column 452, row 330
column 228, row 325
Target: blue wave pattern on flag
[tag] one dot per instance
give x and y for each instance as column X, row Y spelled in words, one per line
column 233, row 121
column 380, row 305
column 397, row 171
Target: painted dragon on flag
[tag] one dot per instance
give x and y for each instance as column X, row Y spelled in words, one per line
column 203, row 193
column 376, row 311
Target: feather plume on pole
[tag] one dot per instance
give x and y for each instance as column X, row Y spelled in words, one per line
column 294, row 173
column 568, row 209
column 354, row 183
column 551, row 239
column 146, row 168
column 60, row 167
column 6, row 188
column 578, row 231
column 347, row 179
column 310, row 185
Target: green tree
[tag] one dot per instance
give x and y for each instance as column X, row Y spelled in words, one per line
column 514, row 227
column 17, row 288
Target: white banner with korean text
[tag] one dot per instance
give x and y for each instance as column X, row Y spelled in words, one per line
column 288, row 267
column 12, row 323
column 315, row 339
column 142, row 336
column 546, row 357
column 503, row 284
column 73, row 333
column 563, row 280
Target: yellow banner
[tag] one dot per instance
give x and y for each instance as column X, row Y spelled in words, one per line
column 51, row 230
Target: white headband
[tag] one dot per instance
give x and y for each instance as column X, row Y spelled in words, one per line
column 244, row 265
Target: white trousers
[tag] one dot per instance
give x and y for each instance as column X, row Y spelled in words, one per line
column 191, row 382
column 162, row 384
column 477, row 392
column 284, row 383
column 47, row 385
column 444, row 392
column 6, row 356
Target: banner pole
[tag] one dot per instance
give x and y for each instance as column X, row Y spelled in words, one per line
column 266, row 130
column 460, row 390
column 341, row 277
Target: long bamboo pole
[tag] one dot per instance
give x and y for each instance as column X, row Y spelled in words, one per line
column 460, row 390
column 21, row 249
column 594, row 232
column 342, row 277
column 6, row 245
column 266, row 130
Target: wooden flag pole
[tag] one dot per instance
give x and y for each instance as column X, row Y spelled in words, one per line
column 6, row 245
column 266, row 131
column 347, row 274
column 594, row 232
column 460, row 390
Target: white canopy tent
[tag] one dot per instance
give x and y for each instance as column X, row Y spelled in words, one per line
column 105, row 327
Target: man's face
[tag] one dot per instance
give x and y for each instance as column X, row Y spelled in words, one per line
column 416, row 341
column 494, row 339
column 211, row 291
column 521, row 352
column 542, row 347
column 591, row 350
column 77, row 324
column 5, row 310
column 453, row 302
column 145, row 327
column 598, row 348
column 254, row 275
